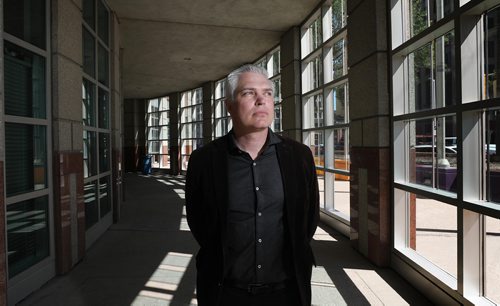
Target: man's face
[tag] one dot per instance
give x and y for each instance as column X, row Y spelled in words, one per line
column 253, row 107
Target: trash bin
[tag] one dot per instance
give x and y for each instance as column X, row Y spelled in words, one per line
column 146, row 166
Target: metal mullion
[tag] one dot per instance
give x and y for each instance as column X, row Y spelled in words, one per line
column 26, row 120
column 33, row 194
column 26, row 45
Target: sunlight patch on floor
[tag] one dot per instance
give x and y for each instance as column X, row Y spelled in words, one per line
column 162, row 286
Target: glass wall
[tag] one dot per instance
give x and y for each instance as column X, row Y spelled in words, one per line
column 157, row 132
column 445, row 122
column 190, row 124
column 96, row 113
column 27, row 110
column 325, row 107
column 221, row 119
column 271, row 62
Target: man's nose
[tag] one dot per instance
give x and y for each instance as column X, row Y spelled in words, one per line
column 261, row 99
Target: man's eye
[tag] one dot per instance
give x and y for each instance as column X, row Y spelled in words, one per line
column 247, row 93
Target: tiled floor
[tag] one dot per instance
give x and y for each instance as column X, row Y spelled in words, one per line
column 148, row 259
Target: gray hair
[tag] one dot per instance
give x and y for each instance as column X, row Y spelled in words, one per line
column 234, row 77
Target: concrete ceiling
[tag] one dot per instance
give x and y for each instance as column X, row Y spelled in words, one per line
column 175, row 45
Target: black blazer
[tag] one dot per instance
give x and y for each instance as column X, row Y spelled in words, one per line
column 207, row 202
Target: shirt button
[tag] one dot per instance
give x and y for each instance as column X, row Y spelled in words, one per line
column 254, row 164
column 259, row 266
column 260, row 240
column 259, row 214
column 257, row 188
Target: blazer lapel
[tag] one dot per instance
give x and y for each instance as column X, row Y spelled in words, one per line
column 285, row 159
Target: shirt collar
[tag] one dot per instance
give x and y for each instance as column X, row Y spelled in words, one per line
column 271, row 139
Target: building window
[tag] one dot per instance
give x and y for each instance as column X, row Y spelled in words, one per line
column 222, row 120
column 191, row 124
column 96, row 112
column 445, row 121
column 325, row 106
column 157, row 133
column 27, row 135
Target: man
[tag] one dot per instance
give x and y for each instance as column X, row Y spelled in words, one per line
column 253, row 205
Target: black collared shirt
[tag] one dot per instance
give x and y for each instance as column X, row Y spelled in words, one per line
column 256, row 227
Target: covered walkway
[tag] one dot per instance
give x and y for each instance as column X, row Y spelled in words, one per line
column 147, row 259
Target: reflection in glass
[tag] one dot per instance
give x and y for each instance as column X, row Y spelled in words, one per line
column 341, row 154
column 433, row 152
column 338, row 59
column 104, row 113
column 102, row 55
column 90, row 200
column 88, row 53
column 316, row 142
column 315, row 35
column 25, row 158
column 24, row 82
column 277, row 118
column 88, row 103
column 431, row 75
column 102, row 22
column 425, row 13
column 492, row 53
column 104, row 152
column 89, row 12
column 435, row 226
column 339, row 8
column 104, row 196
column 316, row 69
column 89, row 153
column 25, row 19
column 277, row 90
column 152, row 105
column 28, row 236
column 491, row 254
column 492, row 142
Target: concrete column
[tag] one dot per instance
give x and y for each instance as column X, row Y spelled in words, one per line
column 208, row 99
column 369, row 129
column 67, row 131
column 134, row 149
column 174, row 101
column 290, row 84
column 3, row 237
column 116, row 116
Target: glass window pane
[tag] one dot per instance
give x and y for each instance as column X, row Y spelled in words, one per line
column 89, row 153
column 321, row 187
column 25, row 158
column 315, row 141
column 104, row 195
column 277, row 90
column 152, row 105
column 89, row 12
column 103, row 109
column 104, row 152
column 435, row 230
column 338, row 59
column 338, row 15
column 313, row 112
column 164, row 104
column 431, row 75
column 164, row 132
column 424, row 13
column 28, row 237
column 88, row 53
column 277, row 118
column 25, row 19
column 492, row 53
column 164, row 147
column 25, row 85
column 103, row 22
column 103, row 65
column 88, row 103
column 492, row 142
column 336, row 112
column 433, row 152
column 492, row 253
column 90, row 200
column 341, row 149
column 316, row 34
